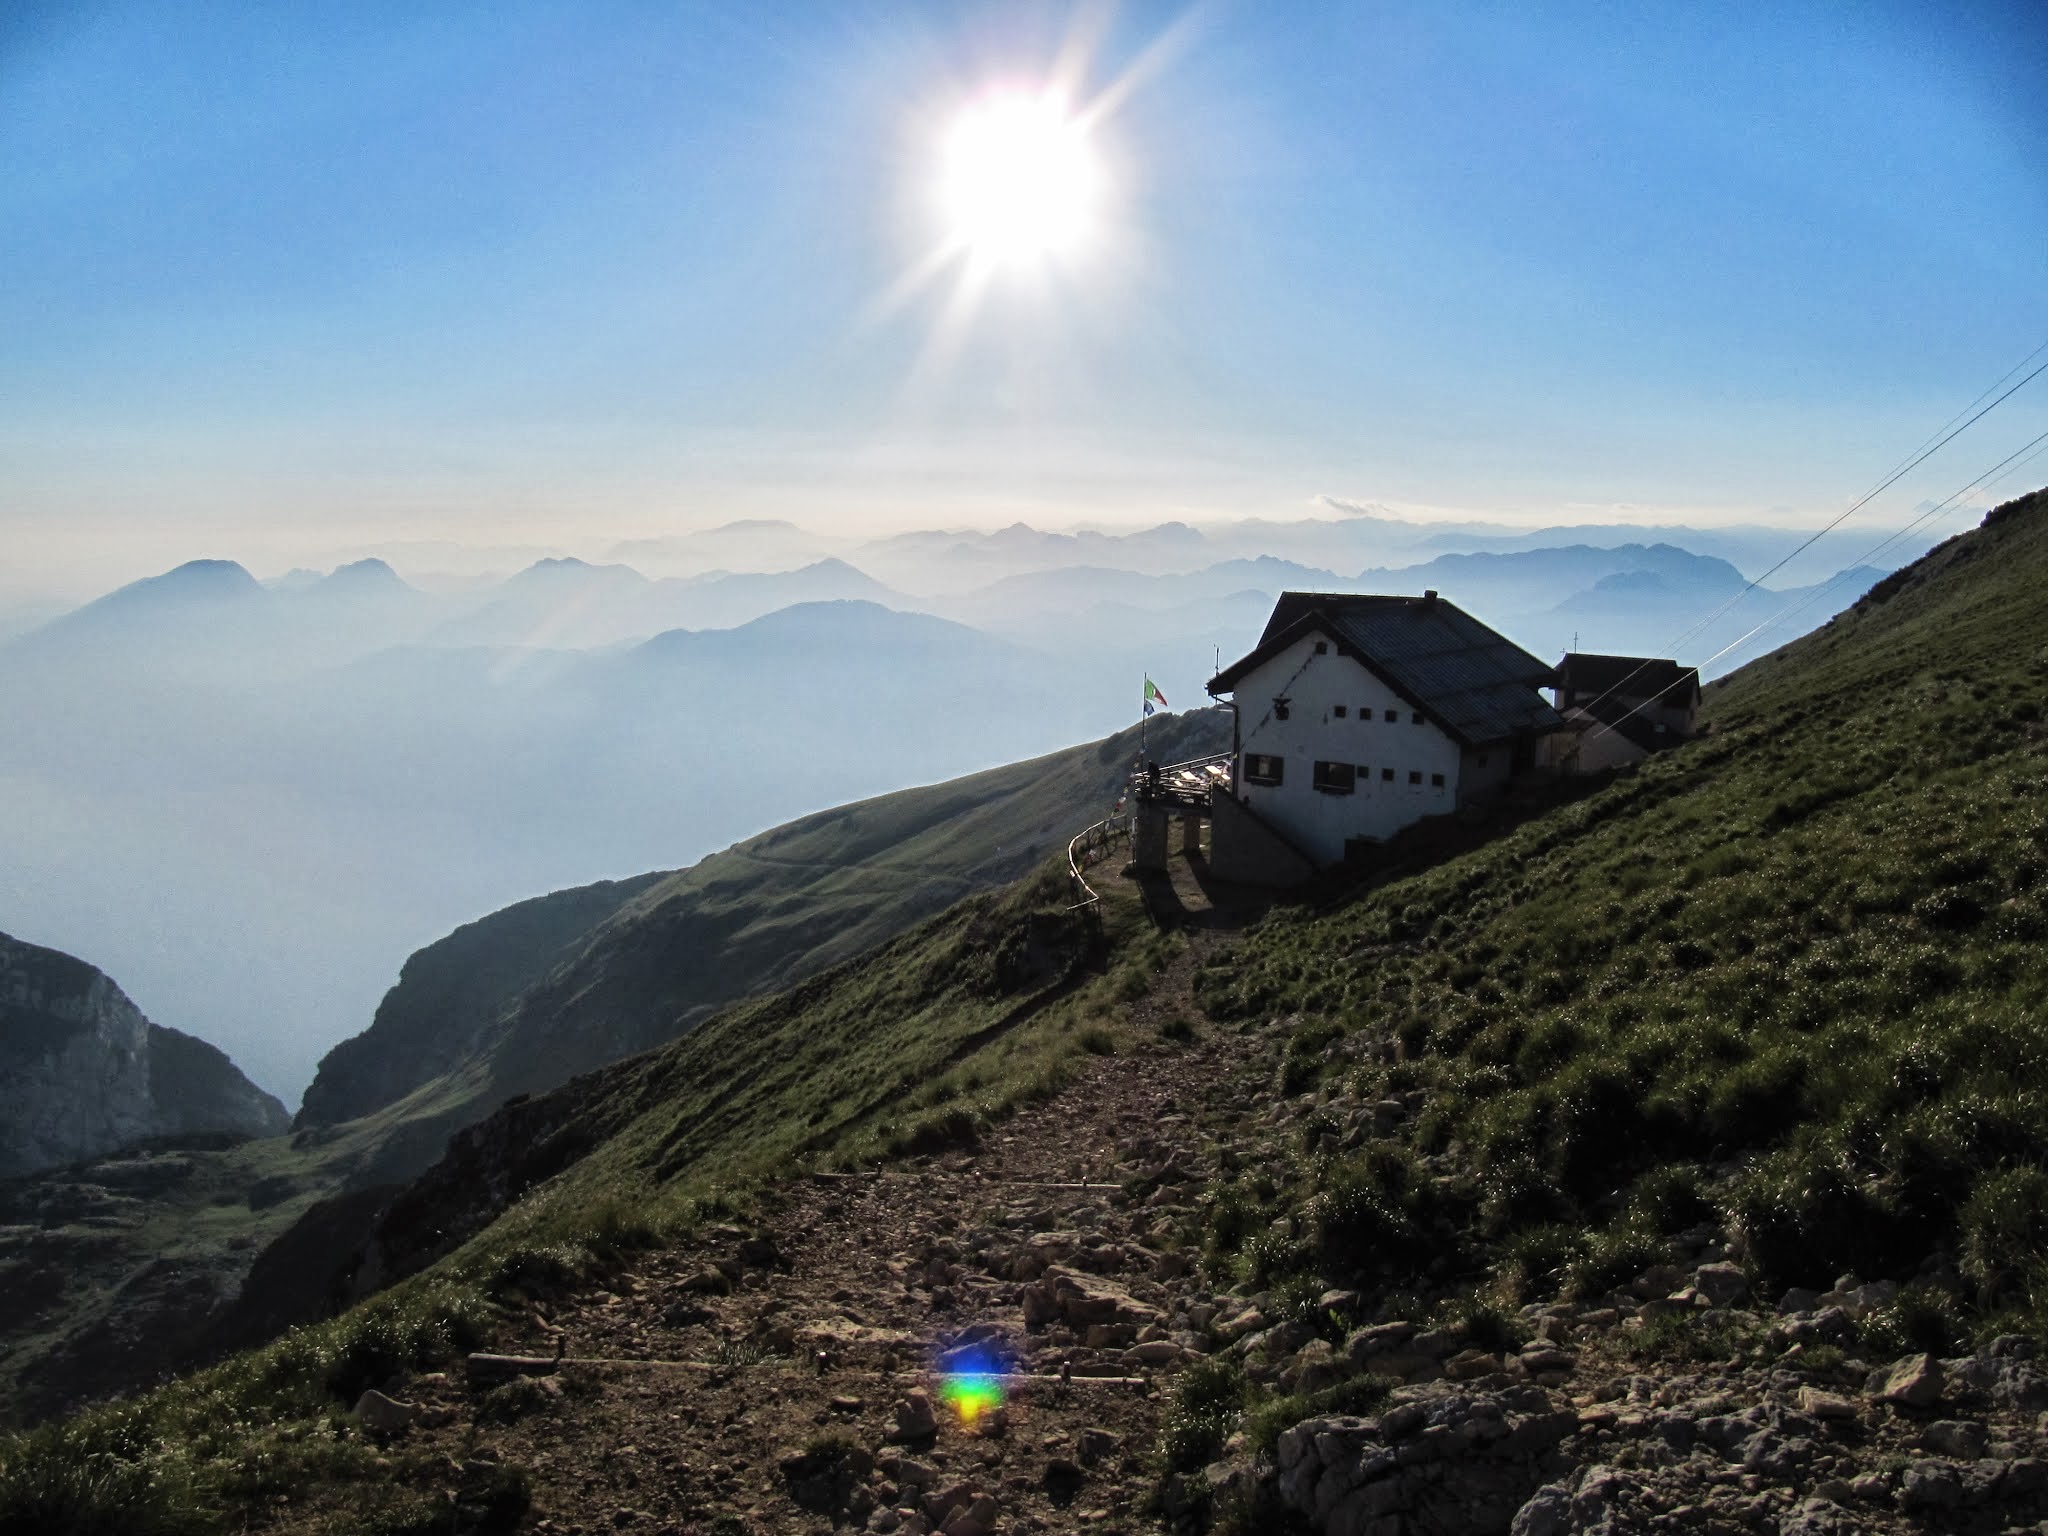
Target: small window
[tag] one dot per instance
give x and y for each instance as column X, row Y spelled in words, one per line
column 1416, row 719
column 1322, row 647
column 1365, row 773
column 1260, row 768
column 1334, row 778
column 1365, row 711
column 1482, row 759
column 1393, row 715
column 1280, row 708
column 1386, row 775
column 1437, row 779
column 1414, row 775
column 1338, row 711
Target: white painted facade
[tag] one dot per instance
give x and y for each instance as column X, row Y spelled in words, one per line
column 1337, row 711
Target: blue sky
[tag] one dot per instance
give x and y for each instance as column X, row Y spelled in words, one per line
column 278, row 279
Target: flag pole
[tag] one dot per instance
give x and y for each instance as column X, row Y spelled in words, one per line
column 1144, row 714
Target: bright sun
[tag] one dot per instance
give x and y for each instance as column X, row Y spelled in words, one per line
column 1021, row 179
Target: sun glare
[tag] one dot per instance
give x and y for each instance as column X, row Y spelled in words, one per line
column 1020, row 180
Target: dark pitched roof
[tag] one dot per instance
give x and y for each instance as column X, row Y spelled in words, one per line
column 1472, row 681
column 1582, row 676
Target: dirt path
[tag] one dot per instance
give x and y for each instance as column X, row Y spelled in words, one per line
column 818, row 1321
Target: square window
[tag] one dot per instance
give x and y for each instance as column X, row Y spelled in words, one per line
column 1262, row 768
column 1437, row 779
column 1322, row 647
column 1338, row 711
column 1414, row 775
column 1364, row 772
column 1386, row 775
column 1393, row 715
column 1482, row 759
column 1334, row 778
column 1417, row 717
column 1280, row 708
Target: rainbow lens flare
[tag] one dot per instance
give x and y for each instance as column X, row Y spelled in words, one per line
column 973, row 1387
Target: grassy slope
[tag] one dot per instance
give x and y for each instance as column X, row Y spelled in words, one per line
column 450, row 992
column 1791, row 973
column 772, row 910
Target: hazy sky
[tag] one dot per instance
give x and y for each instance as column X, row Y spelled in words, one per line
column 275, row 278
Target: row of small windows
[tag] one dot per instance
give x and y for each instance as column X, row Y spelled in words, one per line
column 1281, row 707
column 1339, row 712
column 1342, row 778
column 1330, row 778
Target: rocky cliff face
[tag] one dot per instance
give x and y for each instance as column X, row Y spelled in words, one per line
column 82, row 1072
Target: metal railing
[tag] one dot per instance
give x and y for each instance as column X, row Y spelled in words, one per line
column 1089, row 846
column 1187, row 783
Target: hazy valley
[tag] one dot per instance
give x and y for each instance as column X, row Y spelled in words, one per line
column 251, row 800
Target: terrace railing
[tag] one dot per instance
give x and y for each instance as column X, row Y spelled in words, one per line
column 1091, row 846
column 1185, row 784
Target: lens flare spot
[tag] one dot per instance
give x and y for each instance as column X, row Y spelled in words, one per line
column 973, row 1387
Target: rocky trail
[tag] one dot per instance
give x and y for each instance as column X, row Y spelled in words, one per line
column 692, row 1388
column 792, row 1374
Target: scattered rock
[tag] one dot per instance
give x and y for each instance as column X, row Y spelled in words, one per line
column 1098, row 1445
column 1721, row 1283
column 382, row 1415
column 1825, row 1405
column 1927, row 1485
column 1963, row 1439
column 917, row 1421
column 1914, row 1382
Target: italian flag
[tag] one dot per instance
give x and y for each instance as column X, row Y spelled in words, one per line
column 1153, row 696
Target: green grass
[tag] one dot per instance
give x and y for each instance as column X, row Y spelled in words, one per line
column 1790, row 976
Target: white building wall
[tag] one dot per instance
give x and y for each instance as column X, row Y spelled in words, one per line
column 1319, row 822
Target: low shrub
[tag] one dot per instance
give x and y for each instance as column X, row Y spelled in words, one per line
column 1268, row 1421
column 1612, row 1259
column 1234, row 1218
column 1485, row 1323
column 1272, row 1255
column 1691, row 1338
column 1206, row 1402
column 1535, row 1261
column 1924, row 1319
column 2005, row 1230
column 1362, row 1215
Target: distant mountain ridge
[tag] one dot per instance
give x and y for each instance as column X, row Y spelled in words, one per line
column 83, row 1072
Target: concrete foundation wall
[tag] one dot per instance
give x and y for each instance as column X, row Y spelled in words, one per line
column 1245, row 851
column 1148, row 837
